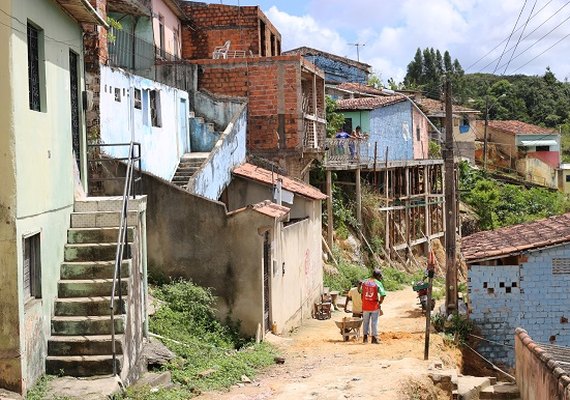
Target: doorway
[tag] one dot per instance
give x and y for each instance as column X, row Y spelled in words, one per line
column 74, row 97
column 266, row 281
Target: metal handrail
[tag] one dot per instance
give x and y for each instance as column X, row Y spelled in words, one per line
column 120, row 250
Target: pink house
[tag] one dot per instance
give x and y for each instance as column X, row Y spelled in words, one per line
column 166, row 16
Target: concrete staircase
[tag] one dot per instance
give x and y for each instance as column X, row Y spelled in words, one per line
column 203, row 134
column 81, row 342
column 465, row 387
column 189, row 164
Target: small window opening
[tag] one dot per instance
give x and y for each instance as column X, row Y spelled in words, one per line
column 118, row 95
column 155, row 115
column 138, row 99
column 32, row 267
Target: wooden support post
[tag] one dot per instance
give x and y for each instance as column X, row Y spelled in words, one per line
column 450, row 208
column 387, row 226
column 330, row 222
column 427, row 219
column 358, row 198
column 408, row 209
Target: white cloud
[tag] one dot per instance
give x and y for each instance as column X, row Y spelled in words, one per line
column 394, row 29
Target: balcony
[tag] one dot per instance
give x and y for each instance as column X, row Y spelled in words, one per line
column 345, row 153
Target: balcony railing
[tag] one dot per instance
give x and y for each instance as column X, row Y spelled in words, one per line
column 133, row 53
column 346, row 152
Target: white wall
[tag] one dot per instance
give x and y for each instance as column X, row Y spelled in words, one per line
column 161, row 147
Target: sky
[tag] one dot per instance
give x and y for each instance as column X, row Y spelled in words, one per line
column 476, row 32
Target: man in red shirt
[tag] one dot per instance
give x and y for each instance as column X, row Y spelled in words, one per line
column 373, row 295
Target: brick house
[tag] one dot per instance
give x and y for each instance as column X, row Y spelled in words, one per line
column 518, row 276
column 286, row 94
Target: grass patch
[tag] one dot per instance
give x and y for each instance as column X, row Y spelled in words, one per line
column 211, row 355
column 39, row 391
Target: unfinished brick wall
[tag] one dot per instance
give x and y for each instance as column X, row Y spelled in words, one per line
column 212, row 25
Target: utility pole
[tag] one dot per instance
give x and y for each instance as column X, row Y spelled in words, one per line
column 485, row 132
column 450, row 207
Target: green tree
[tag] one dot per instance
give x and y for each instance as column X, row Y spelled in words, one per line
column 335, row 120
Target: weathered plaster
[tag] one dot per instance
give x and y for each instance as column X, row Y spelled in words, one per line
column 161, row 147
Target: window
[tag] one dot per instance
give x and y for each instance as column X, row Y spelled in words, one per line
column 155, row 116
column 542, row 148
column 262, row 43
column 138, row 100
column 35, row 67
column 567, row 178
column 161, row 36
column 176, row 42
column 118, row 95
column 418, row 136
column 32, row 267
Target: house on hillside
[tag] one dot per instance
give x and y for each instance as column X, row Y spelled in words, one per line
column 518, row 276
column 464, row 125
column 236, row 51
column 531, row 150
column 395, row 128
column 56, row 244
column 337, row 69
column 351, row 90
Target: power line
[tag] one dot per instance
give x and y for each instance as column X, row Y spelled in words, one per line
column 520, row 36
column 503, row 41
column 543, row 37
column 534, row 58
column 509, row 39
column 539, row 40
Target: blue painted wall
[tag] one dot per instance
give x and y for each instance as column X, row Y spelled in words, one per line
column 388, row 128
column 336, row 71
column 529, row 295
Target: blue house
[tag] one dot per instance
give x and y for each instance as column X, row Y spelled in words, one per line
column 337, row 69
column 392, row 124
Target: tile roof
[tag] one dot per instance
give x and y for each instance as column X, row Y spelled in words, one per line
column 515, row 239
column 368, row 103
column 271, row 209
column 359, row 87
column 432, row 107
column 262, row 175
column 520, row 128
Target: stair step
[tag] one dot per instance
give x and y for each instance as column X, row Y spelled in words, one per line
column 93, row 325
column 83, row 306
column 102, row 219
column 93, row 269
column 96, row 235
column 81, row 365
column 89, row 287
column 500, row 391
column 114, row 203
column 93, row 251
column 184, row 174
column 84, row 345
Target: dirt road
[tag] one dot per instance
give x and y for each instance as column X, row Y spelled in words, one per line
column 320, row 365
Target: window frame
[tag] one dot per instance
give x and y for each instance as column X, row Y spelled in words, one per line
column 36, row 68
column 31, row 246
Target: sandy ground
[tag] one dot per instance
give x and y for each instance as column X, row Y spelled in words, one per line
column 320, row 365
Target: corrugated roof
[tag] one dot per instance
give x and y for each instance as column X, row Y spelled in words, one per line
column 368, row 103
column 515, row 239
column 520, row 128
column 262, row 175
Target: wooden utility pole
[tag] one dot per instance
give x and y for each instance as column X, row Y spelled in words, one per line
column 330, row 221
column 450, row 207
column 358, row 198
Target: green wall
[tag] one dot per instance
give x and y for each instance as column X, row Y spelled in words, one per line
column 361, row 118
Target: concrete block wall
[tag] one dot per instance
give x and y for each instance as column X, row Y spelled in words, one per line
column 214, row 24
column 337, row 71
column 528, row 295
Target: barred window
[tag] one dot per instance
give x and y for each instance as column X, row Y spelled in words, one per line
column 32, row 267
column 561, row 266
column 34, row 72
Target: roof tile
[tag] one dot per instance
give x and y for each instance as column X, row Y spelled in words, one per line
column 368, row 103
column 265, row 176
column 520, row 128
column 517, row 238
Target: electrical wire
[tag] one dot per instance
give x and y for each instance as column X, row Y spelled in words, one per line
column 510, row 36
column 527, row 35
column 503, row 41
column 534, row 58
column 520, row 36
